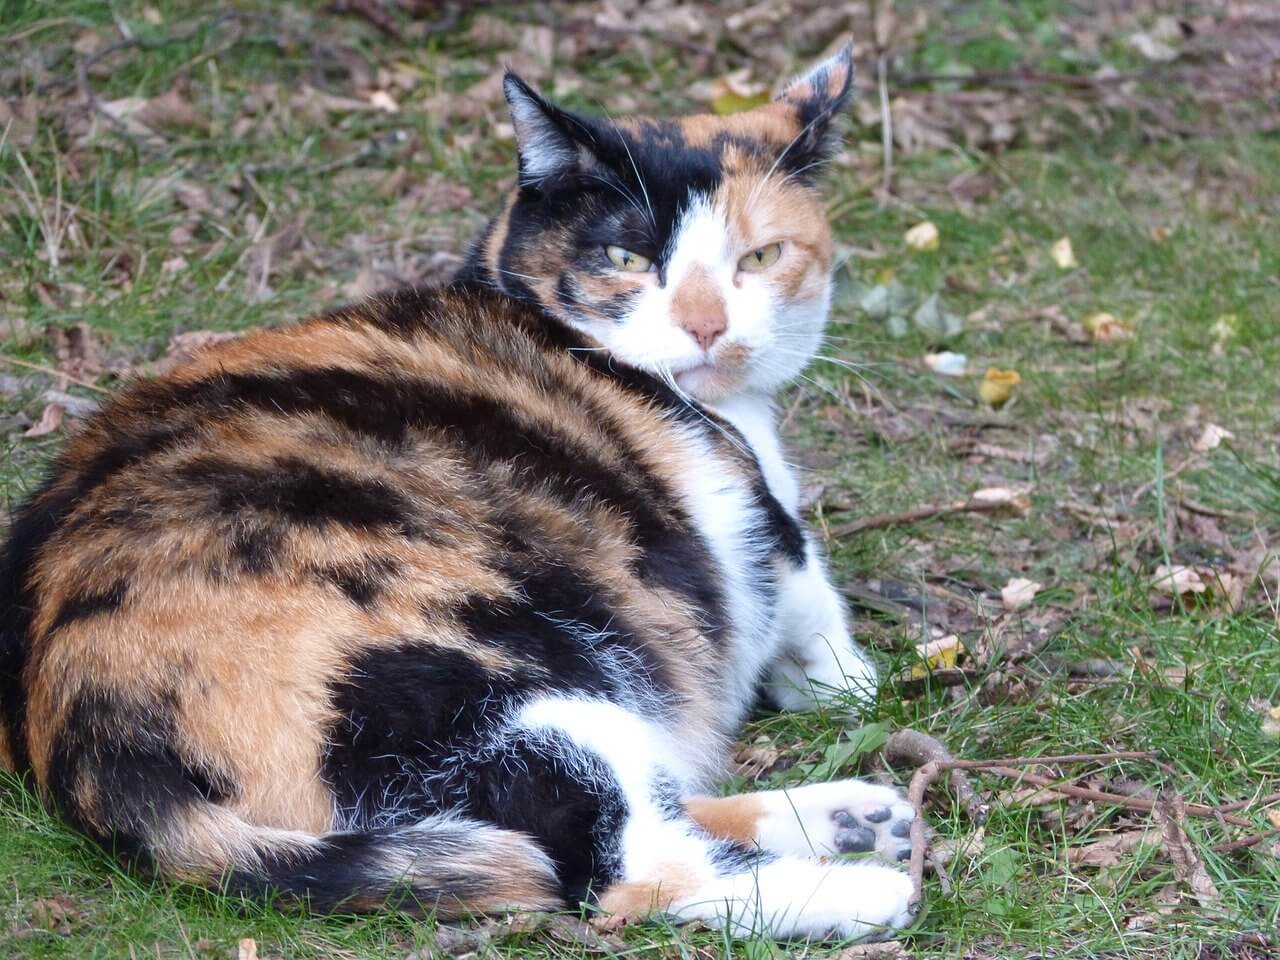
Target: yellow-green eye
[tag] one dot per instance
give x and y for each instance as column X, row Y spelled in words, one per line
column 626, row 260
column 761, row 259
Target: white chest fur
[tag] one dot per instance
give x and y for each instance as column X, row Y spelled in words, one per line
column 725, row 510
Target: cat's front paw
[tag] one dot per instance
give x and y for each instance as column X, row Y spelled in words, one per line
column 844, row 817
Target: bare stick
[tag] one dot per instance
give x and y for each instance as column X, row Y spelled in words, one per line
column 53, row 373
column 1101, row 796
column 1241, row 804
column 919, row 749
column 1061, row 758
column 1245, row 842
column 876, row 521
column 920, row 782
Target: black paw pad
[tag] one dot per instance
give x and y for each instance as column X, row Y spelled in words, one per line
column 879, row 815
column 901, row 829
column 844, row 819
column 856, row 840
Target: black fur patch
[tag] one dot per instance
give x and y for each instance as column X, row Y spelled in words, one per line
column 125, row 748
column 300, row 492
column 349, row 871
column 86, row 605
column 361, row 582
column 565, row 798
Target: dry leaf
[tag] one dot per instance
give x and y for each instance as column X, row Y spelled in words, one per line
column 1271, row 726
column 937, row 655
column 997, row 386
column 887, row 950
column 1170, row 815
column 381, row 100
column 50, row 420
column 922, row 237
column 1211, row 438
column 751, row 760
column 1178, row 580
column 1112, row 850
column 1063, row 255
column 1018, row 593
column 247, row 949
column 947, row 364
column 77, row 349
column 1273, row 817
column 994, row 498
column 1104, row 328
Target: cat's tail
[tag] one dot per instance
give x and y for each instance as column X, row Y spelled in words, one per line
column 447, row 865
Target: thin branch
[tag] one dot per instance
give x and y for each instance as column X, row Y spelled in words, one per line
column 53, row 373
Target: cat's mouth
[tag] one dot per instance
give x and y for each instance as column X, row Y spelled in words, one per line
column 713, row 377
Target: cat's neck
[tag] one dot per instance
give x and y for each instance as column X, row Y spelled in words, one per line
column 755, row 417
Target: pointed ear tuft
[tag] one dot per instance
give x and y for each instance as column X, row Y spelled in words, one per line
column 543, row 141
column 827, row 86
column 818, row 97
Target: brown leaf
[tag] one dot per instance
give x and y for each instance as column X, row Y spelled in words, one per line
column 888, row 950
column 50, row 420
column 1170, row 815
column 170, row 111
column 1111, row 851
column 78, row 350
column 55, row 914
column 754, row 760
column 19, row 119
column 247, row 949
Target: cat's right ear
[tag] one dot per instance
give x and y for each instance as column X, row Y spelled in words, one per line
column 544, row 139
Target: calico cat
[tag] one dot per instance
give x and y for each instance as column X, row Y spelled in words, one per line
column 452, row 600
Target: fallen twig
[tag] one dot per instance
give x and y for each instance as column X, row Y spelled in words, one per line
column 929, row 756
column 1102, row 796
column 53, row 373
column 879, row 520
column 1245, row 842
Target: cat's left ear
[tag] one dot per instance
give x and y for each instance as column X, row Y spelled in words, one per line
column 818, row 97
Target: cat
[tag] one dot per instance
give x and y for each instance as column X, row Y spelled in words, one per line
column 452, row 600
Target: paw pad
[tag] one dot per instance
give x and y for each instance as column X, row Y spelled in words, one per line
column 884, row 830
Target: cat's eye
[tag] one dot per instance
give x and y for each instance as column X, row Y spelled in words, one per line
column 760, row 259
column 626, row 260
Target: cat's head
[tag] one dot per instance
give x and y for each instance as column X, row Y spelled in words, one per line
column 696, row 248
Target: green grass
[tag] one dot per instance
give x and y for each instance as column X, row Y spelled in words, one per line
column 1171, row 237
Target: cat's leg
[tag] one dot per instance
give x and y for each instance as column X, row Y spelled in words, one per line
column 819, row 819
column 600, row 788
column 819, row 660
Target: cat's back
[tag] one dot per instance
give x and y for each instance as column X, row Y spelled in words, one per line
column 426, row 486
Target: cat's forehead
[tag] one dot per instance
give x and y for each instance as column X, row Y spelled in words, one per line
column 734, row 143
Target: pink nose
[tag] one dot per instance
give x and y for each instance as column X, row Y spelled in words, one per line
column 698, row 309
column 705, row 327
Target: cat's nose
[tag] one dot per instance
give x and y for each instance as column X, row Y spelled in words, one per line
column 706, row 327
column 698, row 308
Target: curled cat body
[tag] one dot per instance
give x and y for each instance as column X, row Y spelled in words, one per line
column 452, row 600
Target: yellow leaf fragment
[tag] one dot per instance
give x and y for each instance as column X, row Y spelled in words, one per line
column 922, row 237
column 937, row 655
column 1018, row 593
column 997, row 386
column 1105, row 327
column 247, row 949
column 1063, row 255
column 1223, row 330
